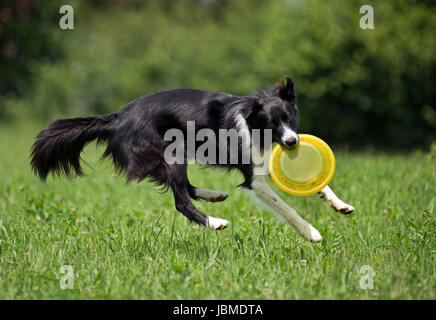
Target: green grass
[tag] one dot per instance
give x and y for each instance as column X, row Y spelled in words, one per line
column 128, row 241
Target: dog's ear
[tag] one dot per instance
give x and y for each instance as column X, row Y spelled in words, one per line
column 285, row 89
column 251, row 107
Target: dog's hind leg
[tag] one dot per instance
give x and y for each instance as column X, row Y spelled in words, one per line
column 337, row 204
column 205, row 194
column 211, row 195
column 178, row 181
column 262, row 192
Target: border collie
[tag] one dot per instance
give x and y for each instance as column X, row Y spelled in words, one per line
column 135, row 143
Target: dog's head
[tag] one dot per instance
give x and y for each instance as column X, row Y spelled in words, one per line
column 275, row 109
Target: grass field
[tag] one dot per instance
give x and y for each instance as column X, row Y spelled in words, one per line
column 128, row 241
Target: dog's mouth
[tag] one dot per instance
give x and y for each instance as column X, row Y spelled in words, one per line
column 287, row 137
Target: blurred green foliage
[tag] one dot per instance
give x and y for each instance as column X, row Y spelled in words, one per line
column 26, row 36
column 355, row 87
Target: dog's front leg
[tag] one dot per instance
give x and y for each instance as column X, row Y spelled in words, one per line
column 261, row 191
column 337, row 204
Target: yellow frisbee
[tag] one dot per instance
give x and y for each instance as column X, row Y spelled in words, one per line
column 304, row 170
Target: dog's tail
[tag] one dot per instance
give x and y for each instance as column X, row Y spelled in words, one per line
column 57, row 148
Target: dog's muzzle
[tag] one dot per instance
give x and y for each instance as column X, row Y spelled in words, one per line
column 291, row 142
column 290, row 138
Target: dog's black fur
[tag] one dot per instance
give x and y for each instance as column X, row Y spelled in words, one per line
column 135, row 142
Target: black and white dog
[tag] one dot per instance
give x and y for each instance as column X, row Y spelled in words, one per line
column 136, row 143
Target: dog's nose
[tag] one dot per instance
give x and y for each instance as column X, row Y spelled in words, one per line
column 291, row 142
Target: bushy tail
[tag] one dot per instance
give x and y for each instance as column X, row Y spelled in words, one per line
column 57, row 148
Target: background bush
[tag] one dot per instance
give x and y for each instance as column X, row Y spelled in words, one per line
column 355, row 87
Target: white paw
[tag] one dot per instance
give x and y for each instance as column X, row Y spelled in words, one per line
column 217, row 223
column 311, row 234
column 343, row 208
column 315, row 236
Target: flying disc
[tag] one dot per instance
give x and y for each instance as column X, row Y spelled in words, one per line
column 305, row 169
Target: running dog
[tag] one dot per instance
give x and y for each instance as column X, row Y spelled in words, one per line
column 135, row 138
